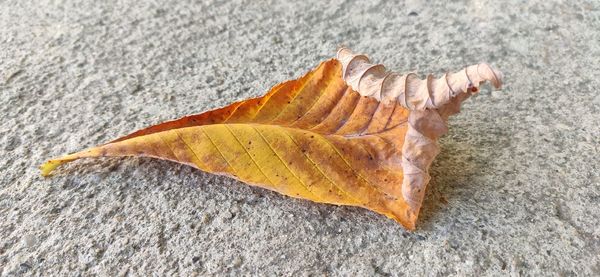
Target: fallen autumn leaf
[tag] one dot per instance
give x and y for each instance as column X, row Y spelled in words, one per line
column 346, row 133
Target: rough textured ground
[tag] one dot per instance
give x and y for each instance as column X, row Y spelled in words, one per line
column 514, row 191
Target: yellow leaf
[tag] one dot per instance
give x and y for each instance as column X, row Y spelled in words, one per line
column 346, row 133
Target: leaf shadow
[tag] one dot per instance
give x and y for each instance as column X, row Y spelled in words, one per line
column 127, row 169
column 452, row 172
column 146, row 174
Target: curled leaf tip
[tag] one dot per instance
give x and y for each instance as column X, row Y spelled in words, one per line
column 409, row 90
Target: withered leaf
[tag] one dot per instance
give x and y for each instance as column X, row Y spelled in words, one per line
column 346, row 133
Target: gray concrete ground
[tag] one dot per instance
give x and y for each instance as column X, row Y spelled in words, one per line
column 515, row 190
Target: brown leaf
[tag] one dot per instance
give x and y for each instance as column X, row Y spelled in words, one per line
column 346, row 133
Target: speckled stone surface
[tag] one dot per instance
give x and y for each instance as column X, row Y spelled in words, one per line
column 515, row 190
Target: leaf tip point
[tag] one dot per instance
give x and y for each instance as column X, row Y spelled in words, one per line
column 49, row 166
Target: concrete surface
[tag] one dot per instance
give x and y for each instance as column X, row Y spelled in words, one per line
column 515, row 190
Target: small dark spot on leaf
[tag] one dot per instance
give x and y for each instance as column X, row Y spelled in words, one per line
column 413, row 14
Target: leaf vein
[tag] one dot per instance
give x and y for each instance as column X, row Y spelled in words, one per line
column 218, row 150
column 357, row 103
column 284, row 164
column 248, row 153
column 325, row 117
column 352, row 168
column 168, row 146
column 300, row 91
column 329, row 81
column 321, row 171
column 390, row 117
column 366, row 128
column 264, row 101
column 188, row 146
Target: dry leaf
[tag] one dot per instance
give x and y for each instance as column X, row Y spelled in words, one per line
column 346, row 133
